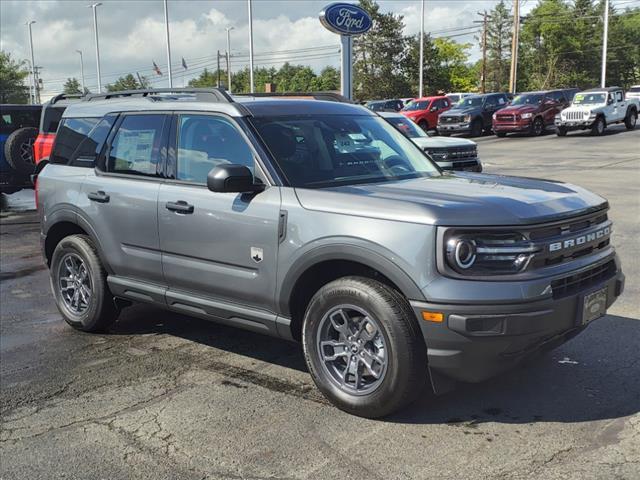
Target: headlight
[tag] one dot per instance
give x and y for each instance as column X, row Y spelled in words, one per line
column 495, row 116
column 591, row 114
column 558, row 116
column 481, row 253
column 527, row 115
column 467, row 118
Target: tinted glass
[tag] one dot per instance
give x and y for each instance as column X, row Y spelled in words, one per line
column 469, row 102
column 421, row 105
column 51, row 117
column 491, row 102
column 136, row 146
column 528, row 99
column 204, row 142
column 73, row 131
column 589, row 98
column 407, row 127
column 619, row 97
column 634, row 89
column 11, row 119
column 318, row 151
column 87, row 152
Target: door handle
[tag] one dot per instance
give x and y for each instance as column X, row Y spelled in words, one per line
column 98, row 196
column 179, row 207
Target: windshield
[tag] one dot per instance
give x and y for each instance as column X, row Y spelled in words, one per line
column 528, row 100
column 407, row 127
column 315, row 151
column 469, row 102
column 589, row 98
column 420, row 105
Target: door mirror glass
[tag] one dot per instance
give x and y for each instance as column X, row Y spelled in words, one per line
column 232, row 178
column 610, row 101
column 433, row 109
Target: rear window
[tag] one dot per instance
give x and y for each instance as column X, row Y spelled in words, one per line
column 635, row 89
column 11, row 119
column 51, row 117
column 72, row 133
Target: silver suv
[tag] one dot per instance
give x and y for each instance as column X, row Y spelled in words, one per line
column 318, row 222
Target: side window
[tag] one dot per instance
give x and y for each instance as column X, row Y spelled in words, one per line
column 72, row 132
column 619, row 97
column 87, row 152
column 206, row 141
column 445, row 102
column 136, row 147
column 490, row 102
column 501, row 100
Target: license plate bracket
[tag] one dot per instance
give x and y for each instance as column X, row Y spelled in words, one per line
column 594, row 306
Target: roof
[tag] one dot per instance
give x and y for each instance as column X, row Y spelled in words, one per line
column 241, row 106
column 603, row 89
column 391, row 115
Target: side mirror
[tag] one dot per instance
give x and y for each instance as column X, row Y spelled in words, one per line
column 433, row 109
column 609, row 101
column 231, row 178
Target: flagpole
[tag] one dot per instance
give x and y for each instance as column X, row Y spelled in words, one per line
column 251, row 89
column 166, row 24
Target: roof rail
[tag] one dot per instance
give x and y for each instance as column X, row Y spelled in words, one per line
column 329, row 96
column 201, row 94
column 65, row 96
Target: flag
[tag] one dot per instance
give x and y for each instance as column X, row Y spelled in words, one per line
column 184, row 63
column 156, row 69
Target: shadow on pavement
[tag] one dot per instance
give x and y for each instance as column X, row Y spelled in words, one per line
column 592, row 377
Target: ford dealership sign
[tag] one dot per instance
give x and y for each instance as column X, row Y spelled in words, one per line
column 345, row 19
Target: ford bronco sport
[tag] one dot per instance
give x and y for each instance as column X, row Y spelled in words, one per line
column 318, row 222
column 597, row 108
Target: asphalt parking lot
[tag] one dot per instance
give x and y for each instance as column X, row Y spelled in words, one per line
column 166, row 396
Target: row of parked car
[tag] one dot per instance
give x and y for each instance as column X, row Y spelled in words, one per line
column 531, row 112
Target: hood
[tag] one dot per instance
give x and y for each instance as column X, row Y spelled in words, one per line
column 439, row 142
column 460, row 199
column 460, row 111
column 519, row 109
column 583, row 108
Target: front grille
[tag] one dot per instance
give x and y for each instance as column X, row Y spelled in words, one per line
column 505, row 118
column 453, row 154
column 578, row 115
column 451, row 119
column 580, row 281
column 463, row 164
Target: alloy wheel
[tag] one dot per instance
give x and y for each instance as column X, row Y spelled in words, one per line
column 26, row 150
column 352, row 349
column 74, row 283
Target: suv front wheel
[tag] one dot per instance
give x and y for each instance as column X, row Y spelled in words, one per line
column 363, row 347
column 79, row 285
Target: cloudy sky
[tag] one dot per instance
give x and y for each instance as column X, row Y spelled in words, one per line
column 132, row 34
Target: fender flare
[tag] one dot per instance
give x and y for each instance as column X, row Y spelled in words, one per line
column 347, row 252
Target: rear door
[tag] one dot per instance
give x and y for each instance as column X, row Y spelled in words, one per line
column 219, row 250
column 120, row 197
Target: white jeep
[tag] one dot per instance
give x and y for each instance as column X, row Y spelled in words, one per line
column 597, row 108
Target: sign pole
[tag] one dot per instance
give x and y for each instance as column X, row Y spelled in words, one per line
column 346, row 66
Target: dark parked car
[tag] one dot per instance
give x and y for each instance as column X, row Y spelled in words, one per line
column 18, row 130
column 472, row 114
column 532, row 112
column 393, row 105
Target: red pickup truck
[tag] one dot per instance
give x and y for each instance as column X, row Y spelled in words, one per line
column 532, row 112
column 425, row 111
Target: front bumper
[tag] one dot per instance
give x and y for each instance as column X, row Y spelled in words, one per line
column 467, row 165
column 477, row 341
column 519, row 126
column 454, row 127
column 575, row 124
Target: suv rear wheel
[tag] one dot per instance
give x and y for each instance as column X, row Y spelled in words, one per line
column 363, row 347
column 598, row 126
column 79, row 285
column 631, row 119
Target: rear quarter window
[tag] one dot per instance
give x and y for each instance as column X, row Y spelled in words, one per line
column 72, row 133
column 50, row 120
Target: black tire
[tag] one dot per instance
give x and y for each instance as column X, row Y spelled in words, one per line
column 561, row 131
column 100, row 311
column 501, row 134
column 537, row 127
column 424, row 125
column 598, row 127
column 476, row 128
column 405, row 374
column 18, row 149
column 631, row 119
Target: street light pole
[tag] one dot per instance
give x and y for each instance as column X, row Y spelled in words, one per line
column 82, row 70
column 229, row 59
column 250, row 47
column 603, row 77
column 166, row 24
column 33, row 68
column 421, row 48
column 95, row 31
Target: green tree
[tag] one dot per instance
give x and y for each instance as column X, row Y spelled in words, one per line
column 128, row 82
column 72, row 86
column 328, row 80
column 207, row 79
column 304, row 80
column 499, row 27
column 12, row 80
column 379, row 56
column 623, row 56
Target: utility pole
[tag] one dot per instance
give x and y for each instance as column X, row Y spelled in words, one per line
column 37, row 82
column 483, row 78
column 229, row 59
column 218, row 57
column 81, row 70
column 420, row 87
column 94, row 7
column 603, row 77
column 33, row 64
column 514, row 46
column 250, row 47
column 166, row 26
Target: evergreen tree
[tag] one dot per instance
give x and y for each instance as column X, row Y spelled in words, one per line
column 127, row 82
column 499, row 31
column 12, row 80
column 72, row 86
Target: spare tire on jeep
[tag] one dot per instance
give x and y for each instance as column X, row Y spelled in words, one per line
column 18, row 149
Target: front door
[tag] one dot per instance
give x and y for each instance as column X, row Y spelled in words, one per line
column 219, row 250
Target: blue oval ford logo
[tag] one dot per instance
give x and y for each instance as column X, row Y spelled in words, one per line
column 345, row 19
